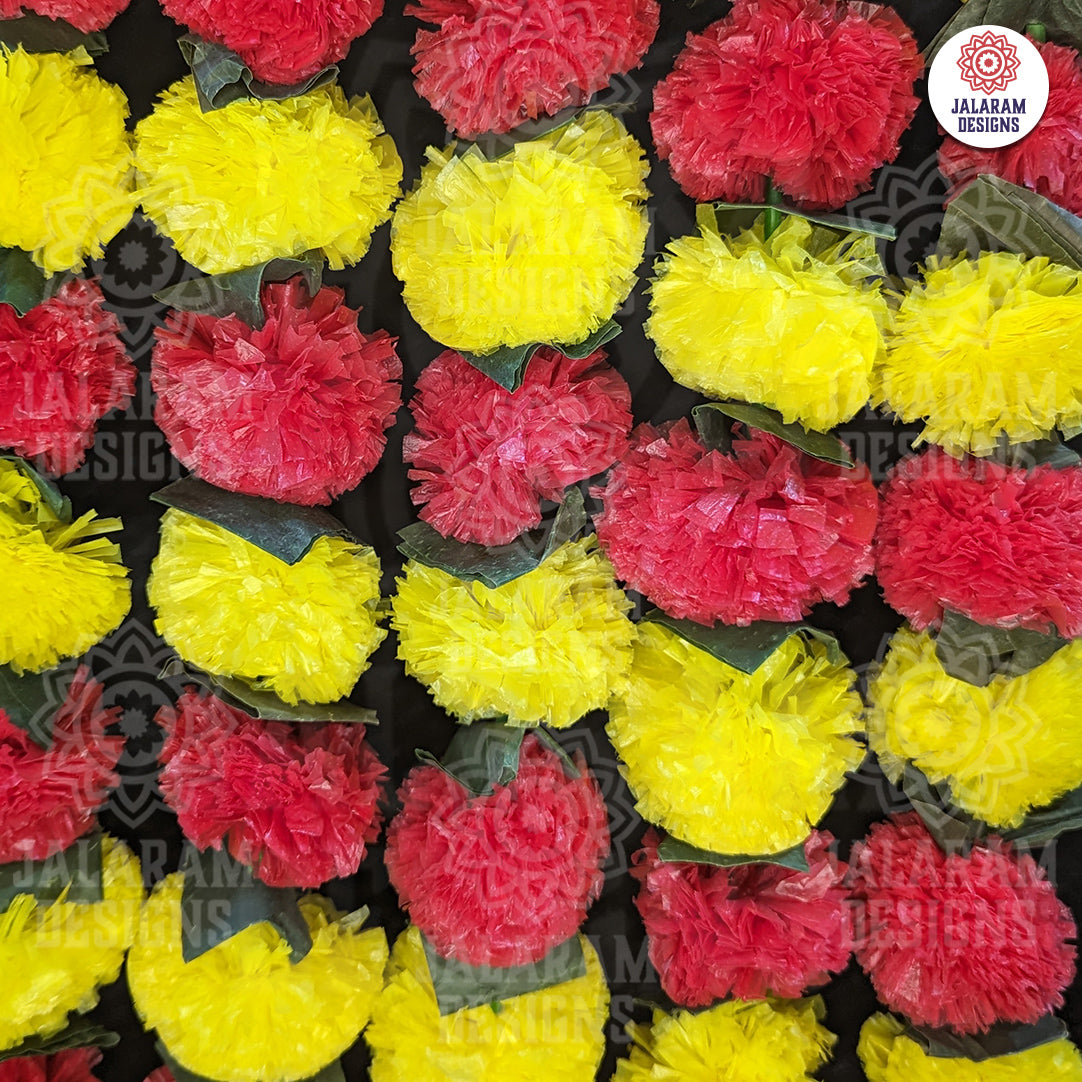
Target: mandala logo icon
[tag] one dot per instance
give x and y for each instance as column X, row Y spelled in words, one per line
column 989, row 62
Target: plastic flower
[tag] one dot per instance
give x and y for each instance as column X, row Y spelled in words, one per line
column 280, row 40
column 62, row 368
column 491, row 65
column 71, row 1065
column 62, row 585
column 243, row 1010
column 298, row 803
column 888, row 1055
column 64, row 951
column 813, row 95
column 304, row 630
column 486, row 457
column 763, row 534
column 556, row 1034
column 261, row 179
column 1049, row 159
column 295, row 410
column 731, row 762
column 539, row 245
column 1001, row 545
column 65, row 162
column 745, row 931
column 86, row 15
column 548, row 646
column 499, row 880
column 984, row 349
column 782, row 1040
column 794, row 322
column 962, row 940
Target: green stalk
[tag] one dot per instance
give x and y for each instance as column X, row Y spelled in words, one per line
column 1037, row 31
column 773, row 217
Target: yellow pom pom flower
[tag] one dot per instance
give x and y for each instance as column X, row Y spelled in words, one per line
column 1004, row 749
column 731, row 762
column 258, row 180
column 987, row 348
column 539, row 245
column 65, row 159
column 780, row 1040
column 303, row 631
column 244, row 1011
column 553, row 1035
column 548, row 646
column 794, row 322
column 889, row 1056
column 62, row 585
column 54, row 957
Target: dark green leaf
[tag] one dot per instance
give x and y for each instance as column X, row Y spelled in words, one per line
column 1038, row 453
column 976, row 654
column 77, row 869
column 1048, row 823
column 23, row 284
column 822, row 445
column 1002, row 1039
column 459, row 986
column 79, row 1034
column 953, row 829
column 1062, row 19
column 569, row 522
column 577, row 351
column 282, row 529
column 51, row 496
column 32, row 700
column 222, row 897
column 495, row 145
column 714, row 429
column 480, row 756
column 333, row 1072
column 37, row 34
column 730, row 219
column 674, row 851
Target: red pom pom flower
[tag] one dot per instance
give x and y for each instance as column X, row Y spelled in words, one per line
column 814, row 95
column 959, row 941
column 1049, row 159
column 86, row 15
column 297, row 802
column 282, row 41
column 295, row 410
column 499, row 880
column 749, row 931
column 999, row 544
column 71, row 1065
column 762, row 534
column 62, row 368
column 494, row 64
column 48, row 798
column 486, row 457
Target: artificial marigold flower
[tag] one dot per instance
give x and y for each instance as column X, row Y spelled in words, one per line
column 71, row 1065
column 85, row 15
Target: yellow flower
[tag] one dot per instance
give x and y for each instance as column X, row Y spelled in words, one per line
column 65, row 159
column 779, row 1040
column 985, row 349
column 244, row 1011
column 55, row 957
column 548, row 646
column 263, row 179
column 731, row 762
column 554, row 1035
column 303, row 631
column 62, row 586
column 794, row 322
column 1003, row 749
column 888, row 1056
column 540, row 245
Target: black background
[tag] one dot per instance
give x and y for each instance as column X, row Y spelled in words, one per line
column 130, row 460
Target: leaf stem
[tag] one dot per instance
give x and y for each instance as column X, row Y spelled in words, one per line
column 1037, row 31
column 773, row 217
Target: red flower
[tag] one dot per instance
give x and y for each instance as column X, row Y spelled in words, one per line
column 62, row 368
column 297, row 802
column 295, row 410
column 87, row 15
column 48, row 799
column 959, row 941
column 763, row 534
column 749, row 931
column 813, row 95
column 494, row 64
column 486, row 457
column 71, row 1065
column 1049, row 159
column 499, row 880
column 282, row 41
column 1000, row 545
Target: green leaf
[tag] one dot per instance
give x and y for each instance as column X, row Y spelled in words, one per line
column 480, row 756
column 495, row 145
column 714, row 428
column 37, row 34
column 23, row 284
column 238, row 292
column 822, row 445
column 222, row 897
column 333, row 1072
column 1048, row 823
column 459, row 986
column 730, row 219
column 674, row 851
column 953, row 829
column 221, row 77
column 282, row 529
column 1027, row 456
column 51, row 496
column 76, row 869
column 79, row 1034
column 32, row 700
column 745, row 648
column 1002, row 1039
column 977, row 654
column 1062, row 19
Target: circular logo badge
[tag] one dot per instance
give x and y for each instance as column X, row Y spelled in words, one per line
column 988, row 86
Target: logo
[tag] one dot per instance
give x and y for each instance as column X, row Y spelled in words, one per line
column 989, row 62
